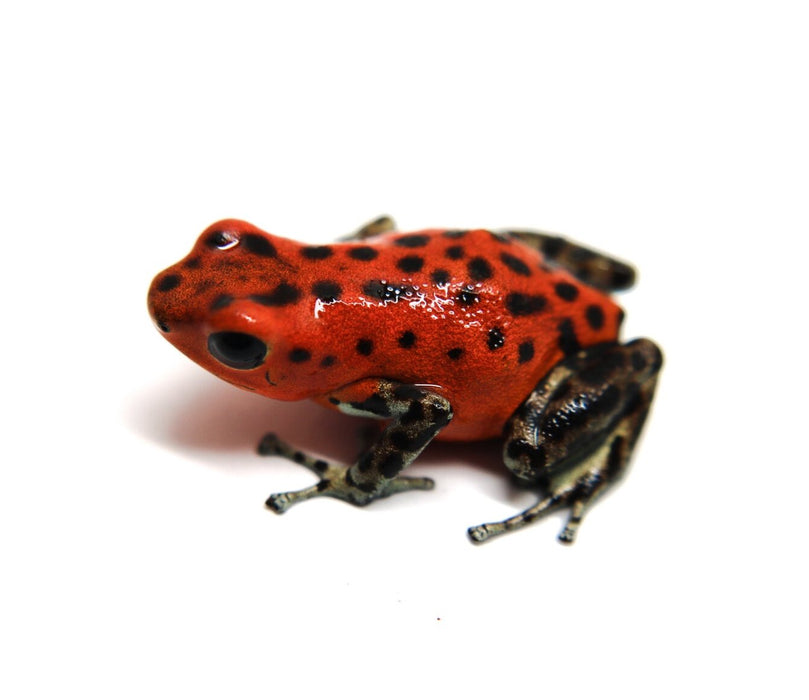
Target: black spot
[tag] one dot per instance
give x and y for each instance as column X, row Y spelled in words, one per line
column 515, row 265
column 299, row 457
column 317, row 252
column 364, row 253
column 410, row 263
column 283, row 295
column 168, row 282
column 375, row 404
column 467, row 298
column 455, row 353
column 566, row 291
column 623, row 276
column 638, row 361
column 328, row 361
column 221, row 302
column 417, row 241
column 407, row 392
column 525, row 304
column 320, row 466
column 533, row 456
column 440, row 277
column 298, row 355
column 455, row 252
column 455, row 234
column 407, row 339
column 386, row 292
column 391, row 465
column 258, row 245
column 595, row 317
column 162, row 325
column 568, row 342
column 192, row 263
column 414, row 414
column 323, row 484
column 333, row 400
column 326, row 290
column 552, row 246
column 365, row 346
column 615, row 458
column 365, row 462
column 403, row 442
column 526, row 351
column 479, row 269
column 496, row 339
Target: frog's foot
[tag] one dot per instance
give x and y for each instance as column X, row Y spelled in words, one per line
column 575, row 495
column 335, row 479
column 337, row 483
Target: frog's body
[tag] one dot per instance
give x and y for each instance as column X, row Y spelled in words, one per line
column 447, row 333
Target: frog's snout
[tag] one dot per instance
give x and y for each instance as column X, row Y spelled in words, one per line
column 237, row 350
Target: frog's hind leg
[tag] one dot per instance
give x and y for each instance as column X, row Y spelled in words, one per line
column 383, row 224
column 575, row 433
column 596, row 269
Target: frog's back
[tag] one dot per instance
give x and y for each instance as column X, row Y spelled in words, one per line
column 479, row 314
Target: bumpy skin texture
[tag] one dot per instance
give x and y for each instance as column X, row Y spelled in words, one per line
column 478, row 316
column 448, row 334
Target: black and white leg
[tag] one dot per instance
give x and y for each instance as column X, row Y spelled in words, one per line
column 574, row 435
column 594, row 268
column 384, row 224
column 416, row 417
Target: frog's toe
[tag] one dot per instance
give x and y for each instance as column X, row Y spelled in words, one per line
column 269, row 445
column 278, row 502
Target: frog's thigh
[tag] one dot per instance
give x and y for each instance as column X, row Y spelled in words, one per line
column 384, row 224
column 576, row 431
column 594, row 268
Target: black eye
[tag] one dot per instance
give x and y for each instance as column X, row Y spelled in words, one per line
column 237, row 350
column 222, row 240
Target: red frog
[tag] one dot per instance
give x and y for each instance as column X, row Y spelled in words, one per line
column 445, row 334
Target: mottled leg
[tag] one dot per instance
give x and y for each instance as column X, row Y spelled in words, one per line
column 575, row 433
column 416, row 417
column 596, row 269
column 384, row 224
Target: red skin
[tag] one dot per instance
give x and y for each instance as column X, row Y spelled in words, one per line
column 484, row 385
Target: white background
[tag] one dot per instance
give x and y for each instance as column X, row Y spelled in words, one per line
column 137, row 558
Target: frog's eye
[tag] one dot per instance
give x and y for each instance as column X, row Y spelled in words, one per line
column 223, row 240
column 237, row 350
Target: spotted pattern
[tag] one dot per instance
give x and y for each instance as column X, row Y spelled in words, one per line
column 455, row 252
column 168, row 283
column 407, row 340
column 595, row 317
column 525, row 304
column 258, row 245
column 417, row 241
column 566, row 291
column 526, row 352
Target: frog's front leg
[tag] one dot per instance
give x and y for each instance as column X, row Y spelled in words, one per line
column 574, row 435
column 416, row 416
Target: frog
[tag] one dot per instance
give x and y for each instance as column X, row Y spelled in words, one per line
column 438, row 334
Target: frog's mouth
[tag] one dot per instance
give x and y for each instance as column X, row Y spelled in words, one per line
column 237, row 350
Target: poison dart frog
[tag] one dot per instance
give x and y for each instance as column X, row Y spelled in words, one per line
column 443, row 334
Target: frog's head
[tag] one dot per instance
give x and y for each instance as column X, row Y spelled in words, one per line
column 231, row 304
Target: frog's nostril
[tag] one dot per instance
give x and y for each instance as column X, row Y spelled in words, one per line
column 237, row 350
